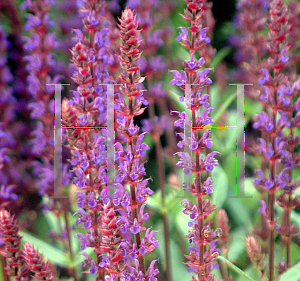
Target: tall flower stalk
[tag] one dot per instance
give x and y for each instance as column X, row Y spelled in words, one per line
column 153, row 67
column 203, row 252
column 288, row 200
column 130, row 171
column 85, row 117
column 277, row 97
column 7, row 108
column 40, row 62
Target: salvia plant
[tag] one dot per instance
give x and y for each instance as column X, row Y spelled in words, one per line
column 158, row 179
column 203, row 250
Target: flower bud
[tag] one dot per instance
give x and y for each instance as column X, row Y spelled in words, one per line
column 254, row 249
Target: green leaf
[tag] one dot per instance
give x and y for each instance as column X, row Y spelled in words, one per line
column 215, row 97
column 236, row 269
column 252, row 271
column 53, row 254
column 80, row 258
column 176, row 258
column 149, row 140
column 182, row 221
column 238, row 208
column 174, row 95
column 292, row 274
column 52, row 221
column 153, row 202
column 295, row 217
column 220, row 182
column 237, row 246
column 220, row 56
column 224, row 106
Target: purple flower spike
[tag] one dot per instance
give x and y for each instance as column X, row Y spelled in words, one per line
column 197, row 163
column 130, row 171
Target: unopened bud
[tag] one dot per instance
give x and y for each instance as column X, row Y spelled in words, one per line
column 254, row 250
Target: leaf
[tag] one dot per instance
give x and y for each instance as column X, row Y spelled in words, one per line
column 237, row 246
column 53, row 254
column 182, row 221
column 176, row 258
column 292, row 274
column 81, row 257
column 252, row 271
column 220, row 183
column 52, row 221
column 174, row 95
column 236, row 269
column 177, row 266
column 224, row 106
column 239, row 210
column 215, row 97
column 295, row 217
column 220, row 56
column 153, row 202
column 149, row 140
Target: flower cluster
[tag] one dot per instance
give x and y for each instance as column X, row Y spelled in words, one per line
column 113, row 260
column 40, row 62
column 7, row 101
column 85, row 121
column 16, row 266
column 149, row 15
column 250, row 43
column 7, row 109
column 68, row 19
column 130, row 170
column 200, row 235
column 35, row 263
column 281, row 112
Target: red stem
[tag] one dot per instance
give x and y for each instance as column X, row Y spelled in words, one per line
column 271, row 197
column 134, row 203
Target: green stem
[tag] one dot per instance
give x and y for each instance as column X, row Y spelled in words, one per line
column 161, row 182
column 5, row 277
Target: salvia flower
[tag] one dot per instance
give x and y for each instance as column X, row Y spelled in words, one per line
column 130, row 170
column 203, row 252
column 7, row 195
column 279, row 113
column 113, row 261
column 40, row 62
column 7, row 113
column 250, row 44
column 35, row 263
column 87, row 108
column 16, row 266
